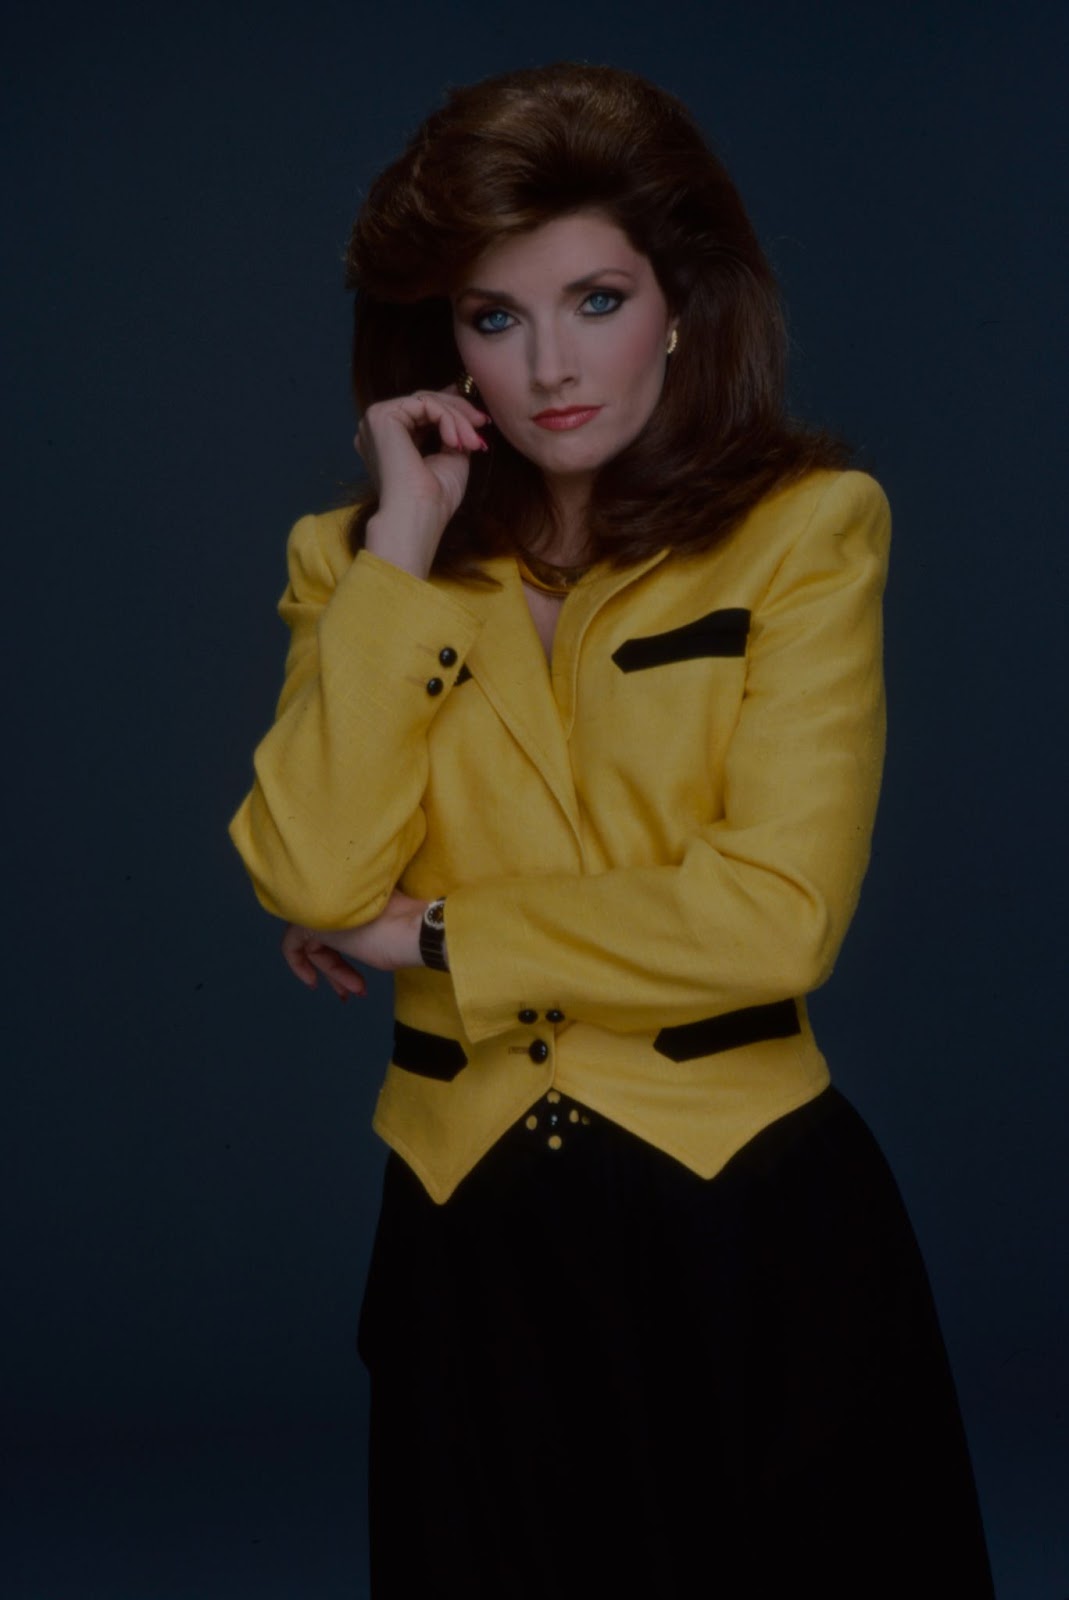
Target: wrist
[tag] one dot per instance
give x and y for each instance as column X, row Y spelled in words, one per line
column 400, row 546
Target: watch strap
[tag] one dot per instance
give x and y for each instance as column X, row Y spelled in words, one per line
column 432, row 936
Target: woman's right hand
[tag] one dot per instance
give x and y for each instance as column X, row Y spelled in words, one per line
column 417, row 494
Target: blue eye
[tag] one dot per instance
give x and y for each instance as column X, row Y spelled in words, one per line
column 602, row 301
column 492, row 321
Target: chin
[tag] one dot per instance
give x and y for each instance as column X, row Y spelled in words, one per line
column 574, row 456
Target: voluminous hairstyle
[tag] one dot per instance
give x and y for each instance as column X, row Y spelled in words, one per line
column 499, row 159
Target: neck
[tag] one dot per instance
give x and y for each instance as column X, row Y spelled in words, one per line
column 566, row 541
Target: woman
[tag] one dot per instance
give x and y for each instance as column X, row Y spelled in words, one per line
column 581, row 735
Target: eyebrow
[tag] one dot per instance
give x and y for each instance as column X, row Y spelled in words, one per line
column 499, row 297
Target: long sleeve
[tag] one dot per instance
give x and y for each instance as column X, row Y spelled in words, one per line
column 757, row 906
column 374, row 654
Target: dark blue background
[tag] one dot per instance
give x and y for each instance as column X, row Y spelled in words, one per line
column 194, row 1182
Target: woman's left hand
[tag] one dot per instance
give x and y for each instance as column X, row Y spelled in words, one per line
column 389, row 942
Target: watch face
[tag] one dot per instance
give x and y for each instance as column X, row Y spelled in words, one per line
column 434, row 916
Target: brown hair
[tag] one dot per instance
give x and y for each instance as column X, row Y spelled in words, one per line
column 502, row 157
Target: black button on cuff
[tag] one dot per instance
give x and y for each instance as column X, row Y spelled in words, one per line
column 448, row 656
column 554, row 1015
column 435, row 685
column 539, row 1051
column 527, row 1015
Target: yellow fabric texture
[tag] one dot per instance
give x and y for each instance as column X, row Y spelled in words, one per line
column 633, row 849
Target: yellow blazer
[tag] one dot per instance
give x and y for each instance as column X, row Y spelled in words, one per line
column 651, row 850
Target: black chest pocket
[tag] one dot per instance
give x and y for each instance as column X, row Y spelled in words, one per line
column 718, row 633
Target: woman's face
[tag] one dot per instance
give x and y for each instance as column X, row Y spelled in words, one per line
column 564, row 330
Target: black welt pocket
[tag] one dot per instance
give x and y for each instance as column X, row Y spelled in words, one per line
column 719, row 633
column 432, row 1055
column 728, row 1031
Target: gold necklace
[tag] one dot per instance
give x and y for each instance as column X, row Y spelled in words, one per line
column 546, row 576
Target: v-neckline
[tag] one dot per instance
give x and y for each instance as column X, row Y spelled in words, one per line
column 547, row 649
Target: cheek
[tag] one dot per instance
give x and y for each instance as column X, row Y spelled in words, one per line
column 464, row 348
column 473, row 356
column 496, row 383
column 634, row 355
column 640, row 368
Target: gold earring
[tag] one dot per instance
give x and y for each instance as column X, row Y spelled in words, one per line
column 466, row 385
column 673, row 340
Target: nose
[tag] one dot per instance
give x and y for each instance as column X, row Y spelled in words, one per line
column 552, row 358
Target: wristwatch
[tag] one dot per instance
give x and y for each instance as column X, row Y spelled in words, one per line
column 432, row 936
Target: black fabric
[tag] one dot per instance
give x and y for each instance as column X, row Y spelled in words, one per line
column 432, row 1055
column 594, row 1373
column 748, row 1025
column 719, row 633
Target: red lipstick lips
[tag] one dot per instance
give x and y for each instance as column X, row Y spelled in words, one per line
column 570, row 417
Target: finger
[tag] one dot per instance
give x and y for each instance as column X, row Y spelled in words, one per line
column 295, row 954
column 447, row 428
column 345, row 991
column 459, row 432
column 449, row 425
column 466, row 407
column 475, row 441
column 434, row 402
column 344, row 981
column 337, row 971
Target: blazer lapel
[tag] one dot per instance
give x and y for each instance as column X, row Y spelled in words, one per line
column 510, row 666
column 584, row 603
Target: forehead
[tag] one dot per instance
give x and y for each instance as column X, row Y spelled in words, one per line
column 565, row 248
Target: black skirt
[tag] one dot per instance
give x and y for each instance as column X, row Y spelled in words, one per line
column 593, row 1372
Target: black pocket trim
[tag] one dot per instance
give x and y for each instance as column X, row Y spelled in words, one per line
column 432, row 1055
column 720, row 633
column 712, row 1034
